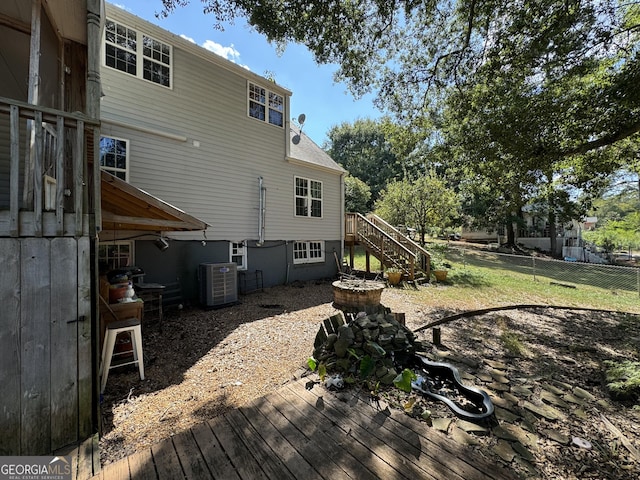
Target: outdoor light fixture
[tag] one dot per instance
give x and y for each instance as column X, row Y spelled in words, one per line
column 162, row 244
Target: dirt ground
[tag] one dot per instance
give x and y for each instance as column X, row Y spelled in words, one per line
column 202, row 363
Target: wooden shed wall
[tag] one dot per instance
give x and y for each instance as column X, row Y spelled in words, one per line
column 45, row 344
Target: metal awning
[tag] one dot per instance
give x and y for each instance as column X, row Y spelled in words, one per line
column 125, row 207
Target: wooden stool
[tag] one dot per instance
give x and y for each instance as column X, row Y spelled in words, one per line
column 131, row 325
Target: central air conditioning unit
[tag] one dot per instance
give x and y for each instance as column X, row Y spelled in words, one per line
column 218, row 284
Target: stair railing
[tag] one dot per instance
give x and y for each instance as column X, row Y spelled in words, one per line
column 383, row 246
column 423, row 257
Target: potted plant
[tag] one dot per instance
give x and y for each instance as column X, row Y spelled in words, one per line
column 439, row 267
column 394, row 275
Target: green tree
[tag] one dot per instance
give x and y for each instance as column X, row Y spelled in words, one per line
column 364, row 151
column 425, row 203
column 356, row 195
column 618, row 217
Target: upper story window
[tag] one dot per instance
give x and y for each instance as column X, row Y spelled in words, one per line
column 114, row 156
column 265, row 105
column 137, row 54
column 308, row 197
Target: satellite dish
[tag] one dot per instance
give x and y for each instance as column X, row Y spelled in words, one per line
column 296, row 139
column 301, row 118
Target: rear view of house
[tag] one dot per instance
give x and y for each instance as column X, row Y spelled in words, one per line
column 214, row 140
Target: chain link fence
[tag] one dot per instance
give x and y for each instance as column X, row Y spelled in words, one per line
column 613, row 278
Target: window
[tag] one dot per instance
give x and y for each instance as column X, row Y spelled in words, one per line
column 137, row 54
column 308, row 252
column 308, row 198
column 114, row 154
column 112, row 255
column 265, row 105
column 238, row 255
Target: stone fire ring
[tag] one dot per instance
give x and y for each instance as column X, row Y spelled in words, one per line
column 357, row 293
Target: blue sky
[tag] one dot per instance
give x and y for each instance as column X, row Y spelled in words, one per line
column 315, row 94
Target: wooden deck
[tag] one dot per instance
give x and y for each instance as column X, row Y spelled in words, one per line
column 297, row 433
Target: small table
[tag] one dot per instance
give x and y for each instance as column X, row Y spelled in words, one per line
column 151, row 293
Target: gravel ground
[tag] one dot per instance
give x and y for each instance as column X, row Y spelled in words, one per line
column 202, row 363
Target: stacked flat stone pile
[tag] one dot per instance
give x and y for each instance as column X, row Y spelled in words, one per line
column 378, row 337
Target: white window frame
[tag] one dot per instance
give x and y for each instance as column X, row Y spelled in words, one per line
column 238, row 249
column 261, row 99
column 137, row 51
column 307, row 198
column 110, row 259
column 116, row 170
column 308, row 251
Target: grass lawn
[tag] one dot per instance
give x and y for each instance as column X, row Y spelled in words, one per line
column 483, row 282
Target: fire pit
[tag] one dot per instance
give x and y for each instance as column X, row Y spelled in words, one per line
column 357, row 294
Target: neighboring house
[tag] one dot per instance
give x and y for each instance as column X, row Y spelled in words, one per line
column 534, row 233
column 214, row 140
column 49, row 217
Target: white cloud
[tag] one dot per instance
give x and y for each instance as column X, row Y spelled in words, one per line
column 188, row 38
column 230, row 53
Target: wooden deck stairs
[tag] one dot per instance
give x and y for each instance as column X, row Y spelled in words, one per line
column 386, row 243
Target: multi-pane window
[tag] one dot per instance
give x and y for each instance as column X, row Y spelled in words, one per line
column 308, row 252
column 238, row 255
column 114, row 156
column 114, row 255
column 137, row 54
column 308, row 197
column 265, row 105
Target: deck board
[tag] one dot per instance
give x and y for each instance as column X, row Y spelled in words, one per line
column 312, row 434
column 212, row 453
column 319, row 453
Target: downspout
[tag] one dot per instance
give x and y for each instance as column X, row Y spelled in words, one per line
column 261, row 211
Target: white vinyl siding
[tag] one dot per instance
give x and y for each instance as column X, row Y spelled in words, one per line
column 207, row 155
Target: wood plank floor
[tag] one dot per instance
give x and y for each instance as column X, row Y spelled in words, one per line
column 298, row 433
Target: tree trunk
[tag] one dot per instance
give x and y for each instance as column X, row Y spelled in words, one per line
column 553, row 240
column 511, row 234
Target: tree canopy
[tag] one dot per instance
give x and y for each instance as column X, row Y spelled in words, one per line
column 425, row 203
column 363, row 149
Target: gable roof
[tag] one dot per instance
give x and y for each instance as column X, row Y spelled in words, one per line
column 125, row 207
column 304, row 151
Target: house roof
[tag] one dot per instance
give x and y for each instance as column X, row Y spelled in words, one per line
column 305, row 151
column 125, row 207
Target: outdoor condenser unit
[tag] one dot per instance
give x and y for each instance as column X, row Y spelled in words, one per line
column 218, row 283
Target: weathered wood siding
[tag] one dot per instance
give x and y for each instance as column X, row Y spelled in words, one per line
column 45, row 399
column 213, row 153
